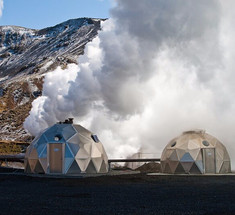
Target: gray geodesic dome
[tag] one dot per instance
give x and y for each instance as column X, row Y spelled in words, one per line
column 66, row 149
column 195, row 152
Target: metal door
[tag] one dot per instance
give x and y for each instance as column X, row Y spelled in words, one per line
column 56, row 157
column 209, row 160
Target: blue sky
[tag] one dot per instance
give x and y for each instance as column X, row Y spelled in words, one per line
column 39, row 14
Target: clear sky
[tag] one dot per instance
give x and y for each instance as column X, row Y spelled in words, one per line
column 39, row 14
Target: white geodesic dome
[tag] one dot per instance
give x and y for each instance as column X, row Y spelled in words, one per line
column 66, row 149
column 195, row 152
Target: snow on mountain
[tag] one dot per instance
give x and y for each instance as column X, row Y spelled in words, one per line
column 25, row 51
column 25, row 56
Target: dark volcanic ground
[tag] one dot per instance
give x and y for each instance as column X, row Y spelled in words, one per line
column 126, row 194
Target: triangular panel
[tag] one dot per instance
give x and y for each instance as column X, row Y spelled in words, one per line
column 74, row 168
column 68, row 132
column 200, row 165
column 83, row 163
column 27, row 168
column 187, row 166
column 179, row 169
column 91, row 168
column 73, row 147
column 187, row 158
column 68, row 153
column 174, row 156
column 43, row 153
column 43, row 162
column 97, row 163
column 173, row 165
column 82, row 154
column 167, row 168
column 219, row 163
column 192, row 144
column 38, row 168
column 225, row 167
column 180, row 153
column 103, row 168
column 67, row 163
column 95, row 153
column 195, row 170
column 194, row 153
column 34, row 154
column 32, row 163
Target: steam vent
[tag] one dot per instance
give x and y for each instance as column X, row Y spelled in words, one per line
column 195, row 152
column 66, row 148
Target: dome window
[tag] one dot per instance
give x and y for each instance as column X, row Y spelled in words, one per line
column 95, row 138
column 57, row 137
column 205, row 143
column 173, row 144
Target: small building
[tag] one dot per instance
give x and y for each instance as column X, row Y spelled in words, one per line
column 195, row 152
column 66, row 148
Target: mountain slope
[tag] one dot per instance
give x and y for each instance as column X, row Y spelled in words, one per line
column 25, row 56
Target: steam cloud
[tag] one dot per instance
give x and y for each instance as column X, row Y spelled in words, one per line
column 157, row 68
column 1, row 7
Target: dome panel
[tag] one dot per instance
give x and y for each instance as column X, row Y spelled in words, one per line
column 34, row 154
column 68, row 132
column 91, row 167
column 32, row 164
column 187, row 158
column 73, row 147
column 54, row 134
column 174, row 156
column 187, row 166
column 83, row 163
column 173, row 165
column 97, row 163
column 41, row 144
column 43, row 152
column 200, row 165
column 74, row 168
column 225, row 167
column 43, row 162
column 82, row 154
column 180, row 152
column 179, row 169
column 167, row 168
column 95, row 153
column 104, row 167
column 38, row 167
column 193, row 144
column 194, row 153
column 194, row 169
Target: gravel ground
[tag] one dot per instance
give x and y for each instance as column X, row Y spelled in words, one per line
column 123, row 194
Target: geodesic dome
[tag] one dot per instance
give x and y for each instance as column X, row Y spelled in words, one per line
column 66, row 149
column 195, row 152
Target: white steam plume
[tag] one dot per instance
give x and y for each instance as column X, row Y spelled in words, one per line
column 1, row 7
column 157, row 68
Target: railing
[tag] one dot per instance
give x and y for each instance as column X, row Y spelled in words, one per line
column 13, row 158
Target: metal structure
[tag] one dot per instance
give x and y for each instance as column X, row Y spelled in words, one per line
column 13, row 158
column 195, row 152
column 137, row 159
column 66, row 148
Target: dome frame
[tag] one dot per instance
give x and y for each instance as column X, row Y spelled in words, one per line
column 195, row 152
column 66, row 148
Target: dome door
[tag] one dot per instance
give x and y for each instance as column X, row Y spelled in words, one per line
column 56, row 157
column 209, row 160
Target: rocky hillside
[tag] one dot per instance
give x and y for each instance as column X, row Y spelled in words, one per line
column 25, row 56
